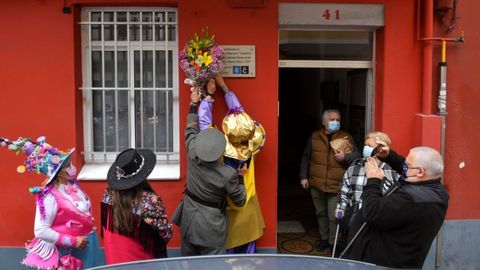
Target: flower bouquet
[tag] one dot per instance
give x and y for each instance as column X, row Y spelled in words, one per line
column 200, row 59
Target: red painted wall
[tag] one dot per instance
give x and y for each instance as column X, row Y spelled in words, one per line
column 41, row 68
column 38, row 97
column 229, row 27
column 401, row 66
column 40, row 72
column 463, row 101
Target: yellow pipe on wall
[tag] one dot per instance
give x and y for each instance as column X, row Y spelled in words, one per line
column 444, row 51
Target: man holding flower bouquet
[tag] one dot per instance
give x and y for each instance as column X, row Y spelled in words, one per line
column 201, row 213
column 245, row 138
column 201, row 59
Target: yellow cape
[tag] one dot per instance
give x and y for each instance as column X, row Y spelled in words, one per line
column 245, row 224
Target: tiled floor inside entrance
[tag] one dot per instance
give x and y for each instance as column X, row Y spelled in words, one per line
column 297, row 228
column 292, row 240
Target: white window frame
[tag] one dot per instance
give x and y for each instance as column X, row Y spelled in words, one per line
column 97, row 163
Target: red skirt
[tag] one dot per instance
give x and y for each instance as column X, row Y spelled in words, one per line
column 120, row 248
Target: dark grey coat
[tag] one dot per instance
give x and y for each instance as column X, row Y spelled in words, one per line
column 212, row 182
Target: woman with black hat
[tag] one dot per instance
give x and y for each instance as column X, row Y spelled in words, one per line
column 134, row 221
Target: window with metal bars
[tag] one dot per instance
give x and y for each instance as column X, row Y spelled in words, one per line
column 130, row 85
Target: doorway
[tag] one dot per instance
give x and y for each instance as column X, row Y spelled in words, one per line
column 326, row 61
column 304, row 93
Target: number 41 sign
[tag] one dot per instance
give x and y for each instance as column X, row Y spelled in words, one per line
column 326, row 14
column 345, row 15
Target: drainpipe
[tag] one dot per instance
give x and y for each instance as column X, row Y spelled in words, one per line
column 442, row 112
column 442, row 96
column 427, row 67
column 427, row 86
column 442, row 93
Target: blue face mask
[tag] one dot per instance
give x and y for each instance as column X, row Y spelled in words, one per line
column 333, row 126
column 405, row 168
column 367, row 151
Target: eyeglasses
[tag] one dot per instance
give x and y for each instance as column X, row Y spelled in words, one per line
column 405, row 168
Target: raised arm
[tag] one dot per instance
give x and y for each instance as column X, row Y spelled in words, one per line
column 392, row 158
column 233, row 104
column 191, row 130
column 395, row 161
column 205, row 118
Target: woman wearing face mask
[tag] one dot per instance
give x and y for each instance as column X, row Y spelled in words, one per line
column 65, row 235
column 349, row 198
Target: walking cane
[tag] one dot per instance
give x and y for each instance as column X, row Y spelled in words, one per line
column 353, row 239
column 336, row 234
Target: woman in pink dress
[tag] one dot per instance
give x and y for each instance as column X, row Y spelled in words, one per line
column 134, row 221
column 65, row 235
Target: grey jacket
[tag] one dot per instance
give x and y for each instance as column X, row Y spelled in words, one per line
column 211, row 182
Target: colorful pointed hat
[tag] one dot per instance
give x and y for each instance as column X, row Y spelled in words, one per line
column 42, row 158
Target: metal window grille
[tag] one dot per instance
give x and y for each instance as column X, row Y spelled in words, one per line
column 130, row 88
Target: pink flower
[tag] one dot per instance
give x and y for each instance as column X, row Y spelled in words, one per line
column 193, row 56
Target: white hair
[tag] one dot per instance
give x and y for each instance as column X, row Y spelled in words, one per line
column 428, row 158
column 379, row 136
column 326, row 112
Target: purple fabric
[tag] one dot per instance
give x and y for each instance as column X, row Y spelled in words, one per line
column 233, row 105
column 40, row 197
column 252, row 247
column 205, row 118
column 249, row 248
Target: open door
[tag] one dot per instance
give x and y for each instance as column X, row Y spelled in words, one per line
column 326, row 60
column 304, row 94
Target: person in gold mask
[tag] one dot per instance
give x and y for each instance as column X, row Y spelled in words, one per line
column 245, row 138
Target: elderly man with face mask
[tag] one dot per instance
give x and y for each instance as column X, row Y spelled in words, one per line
column 399, row 227
column 322, row 169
